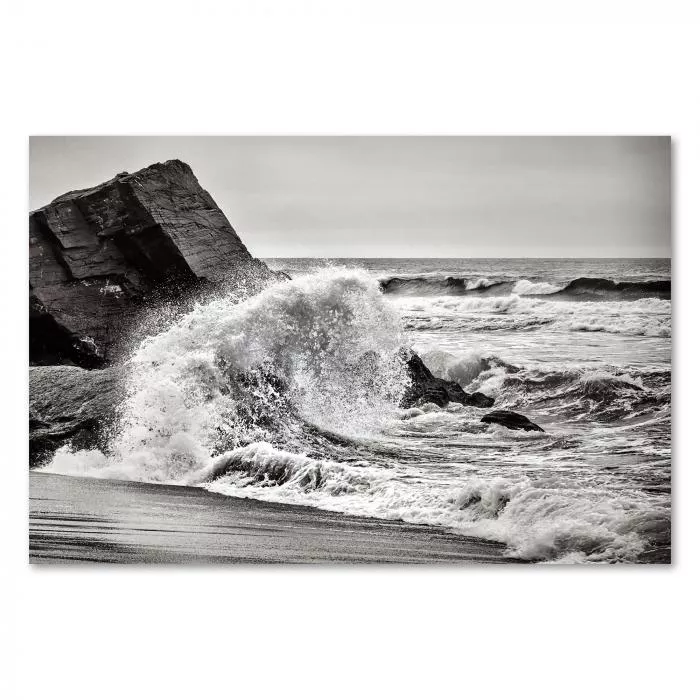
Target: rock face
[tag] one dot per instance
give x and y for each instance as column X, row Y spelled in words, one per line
column 98, row 256
column 511, row 420
column 70, row 404
column 425, row 387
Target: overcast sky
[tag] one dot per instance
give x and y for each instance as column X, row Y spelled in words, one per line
column 403, row 196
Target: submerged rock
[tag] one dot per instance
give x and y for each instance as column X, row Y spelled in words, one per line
column 99, row 256
column 70, row 404
column 511, row 420
column 424, row 387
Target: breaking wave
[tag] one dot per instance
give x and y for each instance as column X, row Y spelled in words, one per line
column 583, row 288
column 321, row 350
column 599, row 394
column 591, row 287
column 539, row 519
column 421, row 286
column 463, row 369
column 292, row 396
column 545, row 519
column 527, row 288
column 640, row 317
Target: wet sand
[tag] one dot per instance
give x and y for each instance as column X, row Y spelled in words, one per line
column 74, row 519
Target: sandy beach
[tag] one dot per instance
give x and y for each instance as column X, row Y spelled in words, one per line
column 75, row 519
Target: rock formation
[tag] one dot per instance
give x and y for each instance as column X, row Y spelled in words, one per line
column 70, row 404
column 424, row 387
column 98, row 257
column 511, row 420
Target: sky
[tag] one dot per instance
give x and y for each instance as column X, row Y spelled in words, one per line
column 402, row 196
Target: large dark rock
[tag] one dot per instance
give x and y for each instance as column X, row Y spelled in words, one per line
column 71, row 404
column 424, row 387
column 510, row 420
column 99, row 257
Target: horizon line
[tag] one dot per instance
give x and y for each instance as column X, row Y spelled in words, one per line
column 476, row 257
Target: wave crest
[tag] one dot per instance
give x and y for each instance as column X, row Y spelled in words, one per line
column 641, row 317
column 538, row 520
column 582, row 288
column 542, row 522
column 594, row 286
column 320, row 349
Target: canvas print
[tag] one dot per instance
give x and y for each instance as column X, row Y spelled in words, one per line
column 350, row 349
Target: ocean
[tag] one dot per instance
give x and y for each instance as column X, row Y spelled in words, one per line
column 292, row 396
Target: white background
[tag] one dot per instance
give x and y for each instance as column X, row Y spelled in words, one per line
column 348, row 67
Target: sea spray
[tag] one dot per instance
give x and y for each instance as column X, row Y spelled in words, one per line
column 538, row 519
column 328, row 342
column 462, row 369
column 595, row 487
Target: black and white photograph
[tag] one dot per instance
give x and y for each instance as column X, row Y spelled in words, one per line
column 359, row 352
column 350, row 349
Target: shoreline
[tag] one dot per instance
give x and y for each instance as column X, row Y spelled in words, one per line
column 86, row 520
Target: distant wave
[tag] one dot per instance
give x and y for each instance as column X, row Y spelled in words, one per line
column 527, row 288
column 293, row 396
column 425, row 286
column 584, row 288
column 477, row 324
column 593, row 286
column 646, row 316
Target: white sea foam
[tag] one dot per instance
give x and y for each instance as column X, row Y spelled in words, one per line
column 547, row 519
column 481, row 283
column 642, row 317
column 595, row 379
column 490, row 381
column 538, row 520
column 201, row 411
column 330, row 338
column 462, row 369
column 525, row 287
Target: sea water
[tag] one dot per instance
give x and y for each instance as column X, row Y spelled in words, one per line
column 293, row 396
